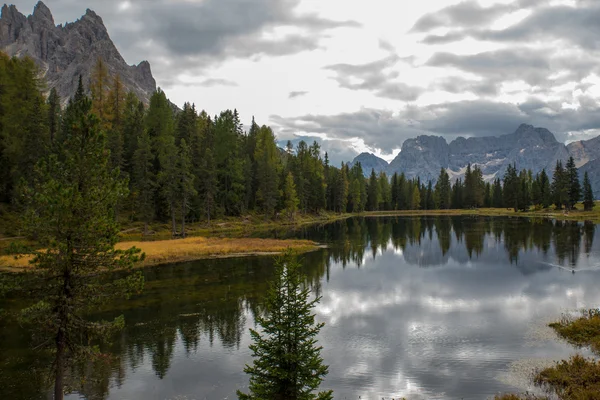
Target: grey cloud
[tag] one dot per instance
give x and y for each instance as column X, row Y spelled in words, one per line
column 374, row 77
column 387, row 131
column 459, row 85
column 379, row 129
column 295, row 94
column 532, row 66
column 467, row 14
column 210, row 82
column 577, row 25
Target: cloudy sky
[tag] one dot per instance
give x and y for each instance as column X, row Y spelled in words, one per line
column 366, row 75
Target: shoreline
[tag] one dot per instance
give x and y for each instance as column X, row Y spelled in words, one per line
column 164, row 252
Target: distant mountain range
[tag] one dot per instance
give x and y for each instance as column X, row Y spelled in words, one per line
column 63, row 53
column 528, row 147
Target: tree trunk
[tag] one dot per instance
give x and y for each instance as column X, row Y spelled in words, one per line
column 60, row 364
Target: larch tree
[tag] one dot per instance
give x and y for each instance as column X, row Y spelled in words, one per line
column 287, row 360
column 70, row 211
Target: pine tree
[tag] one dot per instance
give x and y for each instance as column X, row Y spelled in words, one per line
column 268, row 168
column 290, row 198
column 588, row 193
column 54, row 112
column 186, row 181
column 373, row 192
column 443, row 190
column 497, row 196
column 415, row 203
column 545, row 189
column 144, row 180
column 574, row 185
column 287, row 361
column 560, row 186
column 168, row 177
column 99, row 87
column 70, row 211
column 511, row 188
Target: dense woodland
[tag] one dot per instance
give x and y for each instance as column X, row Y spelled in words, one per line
column 187, row 166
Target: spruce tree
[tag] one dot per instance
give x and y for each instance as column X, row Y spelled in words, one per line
column 268, row 167
column 70, row 212
column 443, row 190
column 290, row 198
column 144, row 181
column 574, row 185
column 186, row 181
column 546, row 191
column 560, row 186
column 497, row 197
column 373, row 192
column 511, row 188
column 588, row 193
column 287, row 360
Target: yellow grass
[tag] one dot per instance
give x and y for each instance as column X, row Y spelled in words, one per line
column 173, row 251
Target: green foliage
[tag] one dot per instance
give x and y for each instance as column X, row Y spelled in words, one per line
column 287, row 361
column 443, row 190
column 69, row 209
column 290, row 198
column 583, row 331
column 268, row 165
column 574, row 193
column 576, row 378
column 588, row 193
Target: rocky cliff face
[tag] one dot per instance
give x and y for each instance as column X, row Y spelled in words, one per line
column 63, row 53
column 422, row 157
column 584, row 151
column 368, row 162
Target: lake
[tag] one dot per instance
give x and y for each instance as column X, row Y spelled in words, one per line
column 426, row 308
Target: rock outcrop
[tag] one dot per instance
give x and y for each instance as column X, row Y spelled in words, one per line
column 422, row 157
column 368, row 162
column 63, row 53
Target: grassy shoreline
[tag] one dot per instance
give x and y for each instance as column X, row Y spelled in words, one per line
column 162, row 252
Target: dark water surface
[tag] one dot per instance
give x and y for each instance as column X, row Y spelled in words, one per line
column 427, row 308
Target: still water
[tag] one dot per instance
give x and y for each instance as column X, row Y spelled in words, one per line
column 426, row 308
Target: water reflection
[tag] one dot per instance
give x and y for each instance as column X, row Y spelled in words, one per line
column 424, row 307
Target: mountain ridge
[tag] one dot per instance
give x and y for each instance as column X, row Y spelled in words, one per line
column 63, row 53
column 529, row 147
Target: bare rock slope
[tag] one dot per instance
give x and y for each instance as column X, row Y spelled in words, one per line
column 63, row 53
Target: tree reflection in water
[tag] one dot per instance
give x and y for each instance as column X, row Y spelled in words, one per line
column 210, row 302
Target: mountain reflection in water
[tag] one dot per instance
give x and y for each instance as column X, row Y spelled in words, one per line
column 432, row 307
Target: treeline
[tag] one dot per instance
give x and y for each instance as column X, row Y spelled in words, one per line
column 189, row 166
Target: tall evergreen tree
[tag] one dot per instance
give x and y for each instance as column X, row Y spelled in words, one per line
column 560, row 186
column 574, row 185
column 443, row 190
column 497, row 195
column 511, row 188
column 546, row 192
column 373, row 192
column 144, row 180
column 70, row 211
column 287, row 361
column 186, row 181
column 290, row 198
column 268, row 166
column 588, row 193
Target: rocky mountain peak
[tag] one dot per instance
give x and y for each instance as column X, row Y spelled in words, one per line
column 65, row 53
column 41, row 13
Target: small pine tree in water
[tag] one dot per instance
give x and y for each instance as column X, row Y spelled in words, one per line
column 287, row 360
